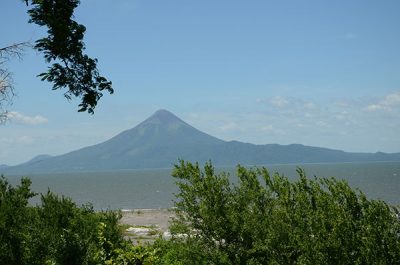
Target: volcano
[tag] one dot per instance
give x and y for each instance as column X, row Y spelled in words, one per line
column 163, row 138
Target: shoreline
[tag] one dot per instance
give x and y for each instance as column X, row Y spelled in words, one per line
column 146, row 225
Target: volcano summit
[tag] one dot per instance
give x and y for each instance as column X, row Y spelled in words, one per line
column 163, row 138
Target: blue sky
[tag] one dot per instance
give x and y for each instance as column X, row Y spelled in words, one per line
column 319, row 73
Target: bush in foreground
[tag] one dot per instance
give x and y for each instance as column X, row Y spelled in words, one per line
column 266, row 219
column 263, row 219
column 55, row 232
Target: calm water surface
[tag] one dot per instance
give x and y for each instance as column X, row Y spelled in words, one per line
column 131, row 189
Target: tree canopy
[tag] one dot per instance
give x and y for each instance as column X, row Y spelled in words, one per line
column 63, row 48
column 260, row 219
column 55, row 232
column 267, row 219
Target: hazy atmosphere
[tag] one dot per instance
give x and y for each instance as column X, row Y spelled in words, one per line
column 316, row 73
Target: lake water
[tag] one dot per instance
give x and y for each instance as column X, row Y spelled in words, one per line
column 133, row 189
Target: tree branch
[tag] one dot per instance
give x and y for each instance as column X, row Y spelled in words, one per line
column 7, row 91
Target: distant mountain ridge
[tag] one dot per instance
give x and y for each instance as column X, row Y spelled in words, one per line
column 163, row 138
column 37, row 159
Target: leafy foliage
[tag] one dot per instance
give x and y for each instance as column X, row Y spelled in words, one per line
column 59, row 232
column 190, row 250
column 125, row 254
column 13, row 217
column 263, row 219
column 56, row 232
column 266, row 219
column 64, row 46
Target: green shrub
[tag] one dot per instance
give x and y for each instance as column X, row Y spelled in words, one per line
column 190, row 250
column 55, row 232
column 267, row 219
column 14, row 219
column 263, row 219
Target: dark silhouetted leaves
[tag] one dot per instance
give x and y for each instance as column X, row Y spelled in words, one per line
column 64, row 46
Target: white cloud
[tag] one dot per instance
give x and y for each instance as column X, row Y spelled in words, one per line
column 23, row 139
column 343, row 104
column 389, row 103
column 279, row 101
column 309, row 105
column 342, row 115
column 230, row 126
column 376, row 107
column 267, row 128
column 322, row 124
column 25, row 119
column 339, row 123
column 6, row 140
column 308, row 115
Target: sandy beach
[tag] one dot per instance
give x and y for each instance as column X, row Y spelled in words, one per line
column 145, row 225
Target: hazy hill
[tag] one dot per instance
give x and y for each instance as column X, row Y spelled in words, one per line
column 161, row 139
column 35, row 160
